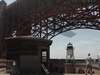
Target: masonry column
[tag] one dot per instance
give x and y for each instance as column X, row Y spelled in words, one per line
column 2, row 8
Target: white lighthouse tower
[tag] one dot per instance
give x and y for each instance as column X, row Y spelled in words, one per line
column 70, row 63
column 69, row 52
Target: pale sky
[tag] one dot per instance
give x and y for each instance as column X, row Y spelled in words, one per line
column 9, row 1
column 84, row 41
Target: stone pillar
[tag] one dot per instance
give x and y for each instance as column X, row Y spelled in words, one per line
column 2, row 25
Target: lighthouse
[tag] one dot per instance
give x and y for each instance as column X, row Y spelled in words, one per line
column 70, row 63
column 70, row 52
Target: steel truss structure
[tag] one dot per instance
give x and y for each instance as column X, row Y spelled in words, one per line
column 58, row 20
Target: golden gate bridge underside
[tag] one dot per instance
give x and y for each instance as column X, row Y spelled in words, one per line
column 46, row 19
